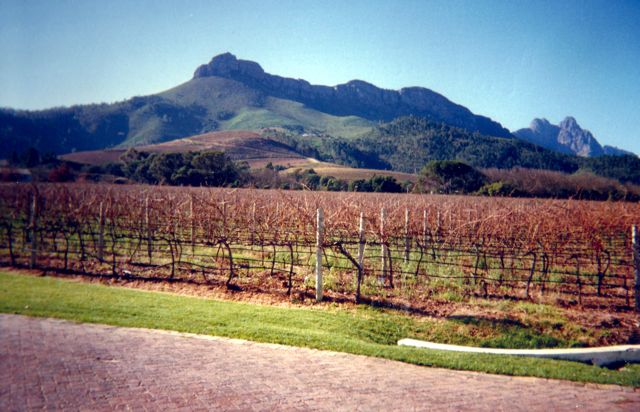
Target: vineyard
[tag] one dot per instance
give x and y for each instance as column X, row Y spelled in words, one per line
column 367, row 247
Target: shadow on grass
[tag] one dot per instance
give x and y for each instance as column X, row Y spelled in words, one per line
column 510, row 333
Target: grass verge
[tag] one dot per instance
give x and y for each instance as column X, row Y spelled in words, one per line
column 363, row 331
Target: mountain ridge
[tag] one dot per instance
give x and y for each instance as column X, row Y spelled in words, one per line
column 343, row 124
column 566, row 137
column 228, row 94
column 355, row 97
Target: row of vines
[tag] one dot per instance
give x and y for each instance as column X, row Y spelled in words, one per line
column 375, row 246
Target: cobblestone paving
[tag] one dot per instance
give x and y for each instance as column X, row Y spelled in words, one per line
column 53, row 364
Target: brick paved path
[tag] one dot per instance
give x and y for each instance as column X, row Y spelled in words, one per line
column 55, row 364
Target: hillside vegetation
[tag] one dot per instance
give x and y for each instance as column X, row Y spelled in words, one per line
column 407, row 144
column 228, row 94
column 355, row 124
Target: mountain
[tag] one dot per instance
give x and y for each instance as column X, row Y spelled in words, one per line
column 355, row 98
column 355, row 124
column 96, row 126
column 615, row 151
column 229, row 94
column 405, row 144
column 567, row 137
column 408, row 143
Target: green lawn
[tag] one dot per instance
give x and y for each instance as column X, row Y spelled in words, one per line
column 363, row 330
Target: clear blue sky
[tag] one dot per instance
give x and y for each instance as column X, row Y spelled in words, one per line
column 511, row 60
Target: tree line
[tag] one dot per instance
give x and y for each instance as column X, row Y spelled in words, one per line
column 216, row 169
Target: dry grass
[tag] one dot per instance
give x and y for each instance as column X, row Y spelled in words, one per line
column 239, row 145
column 349, row 173
column 548, row 183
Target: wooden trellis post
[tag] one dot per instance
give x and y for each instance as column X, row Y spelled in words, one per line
column 407, row 239
column 383, row 248
column 635, row 242
column 192, row 228
column 424, row 226
column 253, row 223
column 33, row 221
column 361, row 244
column 361, row 241
column 147, row 222
column 101, row 233
column 319, row 241
column 224, row 219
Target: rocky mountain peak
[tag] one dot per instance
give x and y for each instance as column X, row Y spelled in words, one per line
column 359, row 84
column 539, row 123
column 357, row 97
column 567, row 137
column 542, row 126
column 580, row 141
column 228, row 65
column 569, row 123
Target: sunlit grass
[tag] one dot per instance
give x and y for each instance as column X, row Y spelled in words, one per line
column 360, row 330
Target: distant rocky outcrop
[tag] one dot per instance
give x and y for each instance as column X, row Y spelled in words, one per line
column 567, row 137
column 356, row 97
column 616, row 151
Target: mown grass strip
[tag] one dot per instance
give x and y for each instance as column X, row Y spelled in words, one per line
column 363, row 331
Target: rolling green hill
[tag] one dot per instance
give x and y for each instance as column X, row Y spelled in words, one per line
column 295, row 116
column 198, row 106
